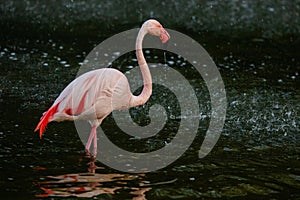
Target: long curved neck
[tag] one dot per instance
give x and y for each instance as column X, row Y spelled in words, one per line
column 147, row 90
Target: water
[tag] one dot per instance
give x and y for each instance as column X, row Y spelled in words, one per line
column 257, row 155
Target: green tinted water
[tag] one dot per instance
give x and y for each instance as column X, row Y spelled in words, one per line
column 257, row 155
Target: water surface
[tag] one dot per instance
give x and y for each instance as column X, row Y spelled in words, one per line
column 257, row 155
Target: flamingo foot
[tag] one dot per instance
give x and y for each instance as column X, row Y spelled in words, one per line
column 92, row 166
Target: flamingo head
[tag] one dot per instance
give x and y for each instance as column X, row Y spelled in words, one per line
column 156, row 29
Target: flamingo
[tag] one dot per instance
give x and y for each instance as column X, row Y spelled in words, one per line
column 95, row 94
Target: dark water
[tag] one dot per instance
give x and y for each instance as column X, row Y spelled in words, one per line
column 256, row 157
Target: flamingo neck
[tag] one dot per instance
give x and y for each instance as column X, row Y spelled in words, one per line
column 147, row 90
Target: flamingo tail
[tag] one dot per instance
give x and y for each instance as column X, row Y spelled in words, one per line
column 45, row 119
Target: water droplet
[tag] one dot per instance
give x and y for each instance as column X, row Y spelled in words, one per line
column 271, row 9
column 227, row 149
column 45, row 55
column 13, row 58
column 171, row 62
column 234, row 103
column 117, row 53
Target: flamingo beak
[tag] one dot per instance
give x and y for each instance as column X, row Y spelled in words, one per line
column 164, row 35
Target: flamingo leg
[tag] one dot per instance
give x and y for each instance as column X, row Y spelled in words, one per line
column 95, row 143
column 93, row 134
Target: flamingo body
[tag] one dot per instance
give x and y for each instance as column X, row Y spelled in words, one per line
column 92, row 96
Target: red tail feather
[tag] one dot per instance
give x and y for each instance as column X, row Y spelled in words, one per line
column 45, row 119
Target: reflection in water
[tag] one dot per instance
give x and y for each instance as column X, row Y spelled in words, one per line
column 91, row 184
column 139, row 193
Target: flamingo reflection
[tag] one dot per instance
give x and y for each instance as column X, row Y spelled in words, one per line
column 91, row 184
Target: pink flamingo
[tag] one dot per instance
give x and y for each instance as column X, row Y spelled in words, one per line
column 95, row 94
